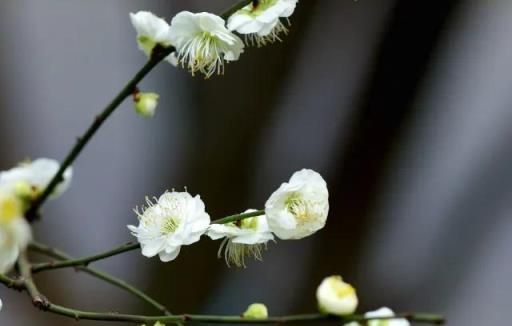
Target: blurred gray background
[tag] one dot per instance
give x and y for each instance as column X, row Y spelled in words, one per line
column 403, row 106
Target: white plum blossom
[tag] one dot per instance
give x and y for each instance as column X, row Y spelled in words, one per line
column 298, row 208
column 171, row 221
column 247, row 237
column 203, row 43
column 29, row 179
column 260, row 21
column 151, row 31
column 146, row 103
column 15, row 232
column 336, row 297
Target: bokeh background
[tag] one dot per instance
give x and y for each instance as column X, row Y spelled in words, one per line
column 403, row 106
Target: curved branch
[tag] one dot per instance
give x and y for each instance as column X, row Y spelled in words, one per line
column 58, row 254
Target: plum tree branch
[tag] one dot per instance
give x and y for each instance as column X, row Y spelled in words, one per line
column 158, row 54
column 58, row 254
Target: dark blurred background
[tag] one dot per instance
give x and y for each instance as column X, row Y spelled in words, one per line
column 403, row 106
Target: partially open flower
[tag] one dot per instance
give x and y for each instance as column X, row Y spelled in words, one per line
column 146, row 103
column 247, row 237
column 256, row 311
column 171, row 221
column 29, row 179
column 15, row 232
column 151, row 31
column 298, row 208
column 260, row 20
column 203, row 43
column 336, row 297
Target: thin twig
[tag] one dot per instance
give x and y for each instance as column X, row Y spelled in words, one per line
column 238, row 217
column 41, row 302
column 84, row 261
column 158, row 55
column 58, row 254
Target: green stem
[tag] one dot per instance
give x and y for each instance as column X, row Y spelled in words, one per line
column 55, row 253
column 128, row 89
column 231, row 10
column 238, row 217
column 85, row 260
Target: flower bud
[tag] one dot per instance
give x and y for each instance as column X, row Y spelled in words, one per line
column 336, row 297
column 256, row 311
column 146, row 103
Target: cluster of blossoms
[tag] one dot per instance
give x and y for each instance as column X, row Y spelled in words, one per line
column 19, row 186
column 297, row 209
column 339, row 298
column 204, row 42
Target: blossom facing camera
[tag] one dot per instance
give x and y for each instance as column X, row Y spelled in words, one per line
column 15, row 233
column 336, row 297
column 256, row 311
column 260, row 21
column 203, row 43
column 151, row 31
column 30, row 179
column 146, row 103
column 298, row 208
column 247, row 237
column 169, row 222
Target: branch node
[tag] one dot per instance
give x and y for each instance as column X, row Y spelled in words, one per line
column 41, row 302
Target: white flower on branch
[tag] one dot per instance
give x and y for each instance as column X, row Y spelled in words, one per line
column 203, row 43
column 298, row 208
column 15, row 232
column 382, row 312
column 151, row 31
column 29, row 179
column 336, row 297
column 260, row 21
column 146, row 103
column 247, row 237
column 171, row 221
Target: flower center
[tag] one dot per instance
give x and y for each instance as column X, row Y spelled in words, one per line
column 298, row 207
column 170, row 225
column 202, row 53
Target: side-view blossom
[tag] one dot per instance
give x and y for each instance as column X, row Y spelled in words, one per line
column 260, row 21
column 336, row 297
column 203, row 43
column 256, row 311
column 15, row 232
column 151, row 31
column 247, row 237
column 169, row 222
column 298, row 208
column 29, row 179
column 146, row 103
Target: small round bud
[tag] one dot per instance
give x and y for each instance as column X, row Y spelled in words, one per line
column 256, row 311
column 336, row 297
column 146, row 103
